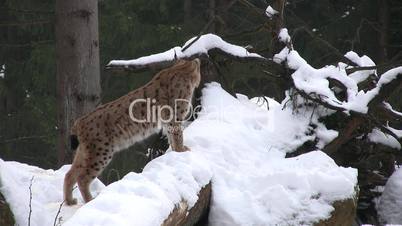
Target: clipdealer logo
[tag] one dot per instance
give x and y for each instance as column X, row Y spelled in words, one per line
column 162, row 113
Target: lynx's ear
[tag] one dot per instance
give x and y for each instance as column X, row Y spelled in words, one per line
column 197, row 61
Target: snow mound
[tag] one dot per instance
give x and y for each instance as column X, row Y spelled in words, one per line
column 47, row 192
column 253, row 184
column 240, row 146
column 149, row 197
column 390, row 203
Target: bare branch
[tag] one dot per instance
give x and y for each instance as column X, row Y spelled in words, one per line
column 23, row 138
column 24, row 23
column 30, row 201
column 384, row 112
column 58, row 212
column 345, row 135
column 321, row 101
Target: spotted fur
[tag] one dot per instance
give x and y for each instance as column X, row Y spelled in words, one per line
column 109, row 128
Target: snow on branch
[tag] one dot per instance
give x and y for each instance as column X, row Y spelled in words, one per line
column 378, row 136
column 389, row 107
column 270, row 12
column 316, row 82
column 200, row 46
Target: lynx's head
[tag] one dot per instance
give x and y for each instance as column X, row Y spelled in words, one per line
column 189, row 68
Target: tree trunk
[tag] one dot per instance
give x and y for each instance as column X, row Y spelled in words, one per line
column 78, row 74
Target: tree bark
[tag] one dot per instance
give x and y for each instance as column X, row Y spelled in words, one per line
column 78, row 73
column 183, row 216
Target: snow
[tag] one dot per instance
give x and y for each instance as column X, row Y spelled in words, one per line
column 316, row 81
column 47, row 188
column 284, row 35
column 237, row 143
column 281, row 56
column 149, row 197
column 385, row 78
column 389, row 107
column 345, row 14
column 270, row 12
column 390, row 202
column 2, row 71
column 363, row 61
column 397, row 132
column 201, row 46
column 377, row 136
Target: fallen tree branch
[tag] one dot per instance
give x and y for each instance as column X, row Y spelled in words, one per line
column 320, row 101
column 23, row 138
column 386, row 114
column 345, row 135
column 197, row 47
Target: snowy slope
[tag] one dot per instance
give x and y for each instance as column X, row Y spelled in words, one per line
column 238, row 145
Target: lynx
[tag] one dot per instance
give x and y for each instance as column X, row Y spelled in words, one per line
column 111, row 127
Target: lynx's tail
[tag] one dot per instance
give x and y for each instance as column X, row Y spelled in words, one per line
column 74, row 142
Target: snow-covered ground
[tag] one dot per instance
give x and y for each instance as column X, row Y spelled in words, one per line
column 237, row 144
column 46, row 192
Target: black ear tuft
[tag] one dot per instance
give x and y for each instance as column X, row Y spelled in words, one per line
column 74, row 142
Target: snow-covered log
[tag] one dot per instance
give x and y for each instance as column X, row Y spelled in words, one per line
column 344, row 213
column 197, row 47
column 183, row 215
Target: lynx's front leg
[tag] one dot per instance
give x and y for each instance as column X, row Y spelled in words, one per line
column 175, row 137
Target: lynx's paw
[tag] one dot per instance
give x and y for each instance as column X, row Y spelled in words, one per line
column 71, row 202
column 182, row 149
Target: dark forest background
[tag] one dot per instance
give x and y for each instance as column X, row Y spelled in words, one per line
column 322, row 32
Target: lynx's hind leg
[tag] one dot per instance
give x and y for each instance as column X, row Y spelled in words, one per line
column 98, row 157
column 71, row 178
